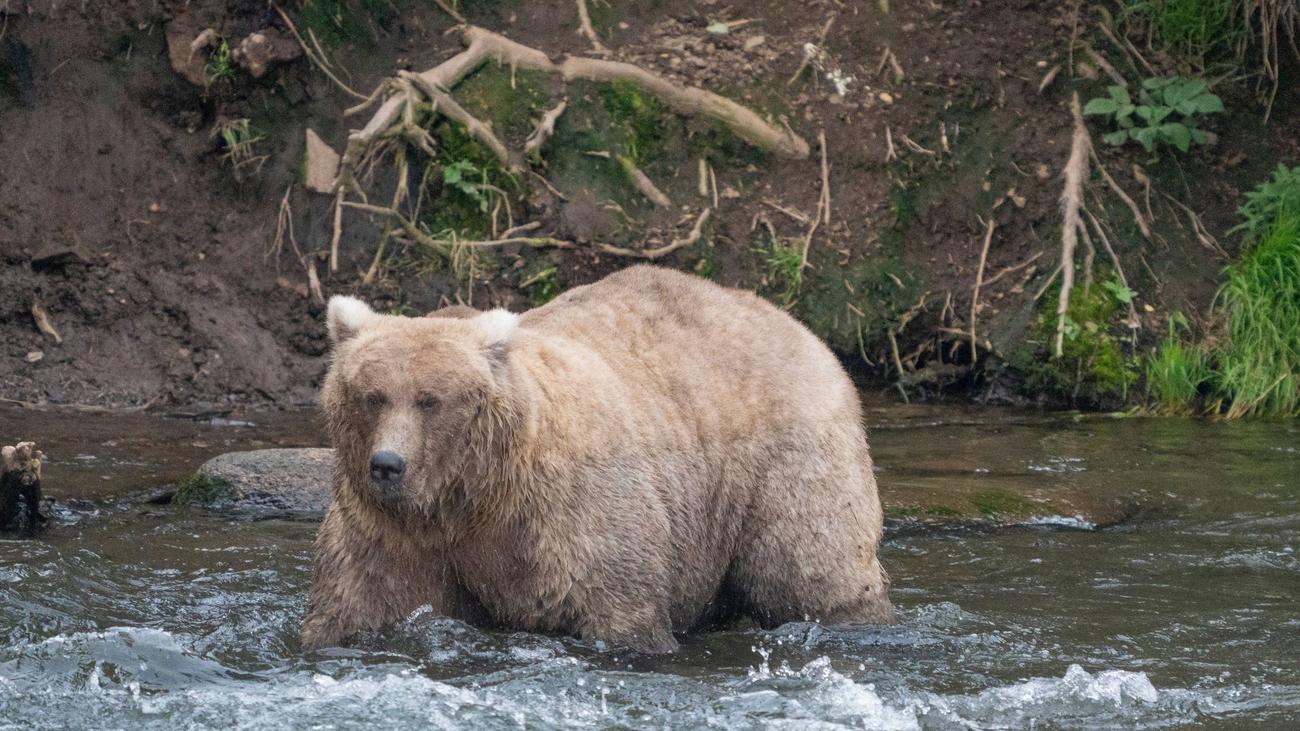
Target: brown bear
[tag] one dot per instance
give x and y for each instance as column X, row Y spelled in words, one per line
column 649, row 454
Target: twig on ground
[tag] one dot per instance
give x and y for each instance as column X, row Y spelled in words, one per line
column 447, row 106
column 1104, row 65
column 821, row 39
column 1011, row 270
column 449, row 10
column 320, row 63
column 43, row 321
column 826, row 180
column 694, row 236
column 637, row 177
column 979, row 280
column 822, row 204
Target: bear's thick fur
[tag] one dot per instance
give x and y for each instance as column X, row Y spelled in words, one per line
column 645, row 455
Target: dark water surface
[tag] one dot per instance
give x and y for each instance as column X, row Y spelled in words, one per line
column 131, row 615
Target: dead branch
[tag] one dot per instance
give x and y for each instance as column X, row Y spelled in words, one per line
column 694, row 236
column 826, row 180
column 1203, row 235
column 979, row 280
column 1011, row 270
column 1076, row 173
column 823, row 202
column 1104, row 65
column 637, row 178
column 544, row 130
column 449, row 10
column 586, row 29
column 44, row 323
column 898, row 364
column 821, row 40
column 320, row 62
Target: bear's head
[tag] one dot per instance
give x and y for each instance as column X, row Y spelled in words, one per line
column 408, row 400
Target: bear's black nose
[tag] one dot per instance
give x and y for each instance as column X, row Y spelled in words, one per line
column 386, row 469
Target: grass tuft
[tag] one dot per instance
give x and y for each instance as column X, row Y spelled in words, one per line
column 1259, row 362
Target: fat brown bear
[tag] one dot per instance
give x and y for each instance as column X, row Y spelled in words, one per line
column 645, row 455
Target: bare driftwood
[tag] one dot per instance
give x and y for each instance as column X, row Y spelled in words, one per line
column 1076, row 174
column 20, row 487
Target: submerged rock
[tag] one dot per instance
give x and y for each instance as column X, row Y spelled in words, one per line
column 264, row 481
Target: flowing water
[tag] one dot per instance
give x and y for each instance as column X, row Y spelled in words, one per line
column 127, row 614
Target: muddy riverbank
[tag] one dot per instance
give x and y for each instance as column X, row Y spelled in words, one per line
column 145, row 214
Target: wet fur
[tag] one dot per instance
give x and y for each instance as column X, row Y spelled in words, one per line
column 645, row 455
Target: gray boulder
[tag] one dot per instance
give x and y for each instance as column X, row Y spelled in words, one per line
column 264, row 481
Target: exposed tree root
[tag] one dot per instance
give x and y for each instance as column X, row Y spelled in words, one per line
column 1076, row 174
column 585, row 27
column 448, row 107
column 975, row 294
column 637, row 178
column 544, row 130
column 697, row 231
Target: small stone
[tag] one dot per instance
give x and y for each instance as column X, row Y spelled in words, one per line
column 34, row 356
column 259, row 50
column 1041, row 64
column 1043, row 172
column 753, row 42
column 322, row 164
column 886, row 97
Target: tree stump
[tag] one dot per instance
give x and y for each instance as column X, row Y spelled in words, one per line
column 20, row 488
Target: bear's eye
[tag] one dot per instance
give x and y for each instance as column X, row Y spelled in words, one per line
column 375, row 400
column 428, row 403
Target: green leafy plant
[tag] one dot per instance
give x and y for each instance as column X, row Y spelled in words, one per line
column 543, row 285
column 457, row 175
column 1121, row 293
column 1193, row 31
column 1269, row 201
column 1167, row 110
column 240, row 143
column 220, row 65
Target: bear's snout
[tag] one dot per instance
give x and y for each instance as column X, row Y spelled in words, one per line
column 386, row 469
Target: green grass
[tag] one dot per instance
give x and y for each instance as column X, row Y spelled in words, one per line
column 1259, row 363
column 1195, row 32
column 783, row 261
column 220, row 66
column 1000, row 502
column 1177, row 372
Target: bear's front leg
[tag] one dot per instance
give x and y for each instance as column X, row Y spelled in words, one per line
column 368, row 575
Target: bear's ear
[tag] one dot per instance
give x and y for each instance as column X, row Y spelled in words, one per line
column 497, row 326
column 347, row 317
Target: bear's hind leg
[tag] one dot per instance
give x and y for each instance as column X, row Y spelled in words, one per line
column 812, row 555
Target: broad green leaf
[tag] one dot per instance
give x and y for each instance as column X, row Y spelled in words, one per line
column 1208, row 103
column 1125, row 110
column 1116, row 138
column 1144, row 111
column 1198, row 136
column 1177, row 134
column 1119, row 94
column 1125, row 122
column 1146, row 137
column 1101, row 106
column 1158, row 114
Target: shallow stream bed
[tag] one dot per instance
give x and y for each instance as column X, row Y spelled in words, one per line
column 127, row 614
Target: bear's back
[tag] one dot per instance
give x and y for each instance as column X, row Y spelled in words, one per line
column 695, row 341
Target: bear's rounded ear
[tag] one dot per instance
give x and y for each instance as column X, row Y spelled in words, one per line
column 498, row 327
column 347, row 317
